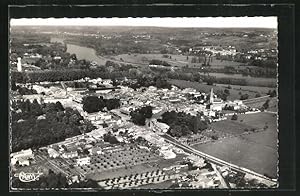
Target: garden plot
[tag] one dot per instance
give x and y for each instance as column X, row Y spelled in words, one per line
column 123, row 158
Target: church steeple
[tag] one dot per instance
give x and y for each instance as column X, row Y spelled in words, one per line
column 19, row 65
column 211, row 99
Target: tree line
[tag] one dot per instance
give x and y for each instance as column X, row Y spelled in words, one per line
column 65, row 75
column 148, row 80
column 159, row 62
column 202, row 78
column 269, row 62
column 253, row 72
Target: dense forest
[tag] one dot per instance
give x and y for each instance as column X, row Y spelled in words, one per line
column 157, row 80
column 140, row 115
column 182, row 124
column 95, row 104
column 35, row 125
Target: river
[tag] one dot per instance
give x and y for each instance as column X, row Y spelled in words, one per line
column 85, row 53
column 90, row 54
column 81, row 52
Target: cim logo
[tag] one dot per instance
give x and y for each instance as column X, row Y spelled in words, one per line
column 28, row 177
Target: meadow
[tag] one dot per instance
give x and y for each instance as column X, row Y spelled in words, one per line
column 256, row 151
column 175, row 60
column 248, row 89
column 234, row 92
column 230, row 126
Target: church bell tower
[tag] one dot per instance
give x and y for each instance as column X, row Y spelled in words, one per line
column 211, row 98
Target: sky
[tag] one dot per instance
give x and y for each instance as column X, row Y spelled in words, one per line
column 212, row 22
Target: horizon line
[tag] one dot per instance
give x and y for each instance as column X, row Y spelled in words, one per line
column 167, row 22
column 50, row 25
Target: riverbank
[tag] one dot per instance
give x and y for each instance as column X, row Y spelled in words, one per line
column 142, row 60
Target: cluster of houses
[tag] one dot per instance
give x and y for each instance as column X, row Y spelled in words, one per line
column 160, row 99
column 230, row 50
column 118, row 120
column 257, row 54
column 22, row 158
column 73, row 148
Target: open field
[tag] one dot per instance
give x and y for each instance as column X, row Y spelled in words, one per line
column 222, row 63
column 256, row 151
column 234, row 93
column 251, row 81
column 246, row 121
column 176, row 60
column 144, row 59
column 259, row 120
column 268, row 138
column 273, row 103
column 230, row 126
column 248, row 89
column 251, row 154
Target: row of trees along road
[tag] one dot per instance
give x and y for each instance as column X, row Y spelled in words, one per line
column 66, row 75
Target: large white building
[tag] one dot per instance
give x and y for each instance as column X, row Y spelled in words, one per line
column 22, row 157
column 167, row 153
column 68, row 155
column 52, row 153
column 83, row 161
column 19, row 65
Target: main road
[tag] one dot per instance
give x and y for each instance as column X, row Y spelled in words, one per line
column 212, row 159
